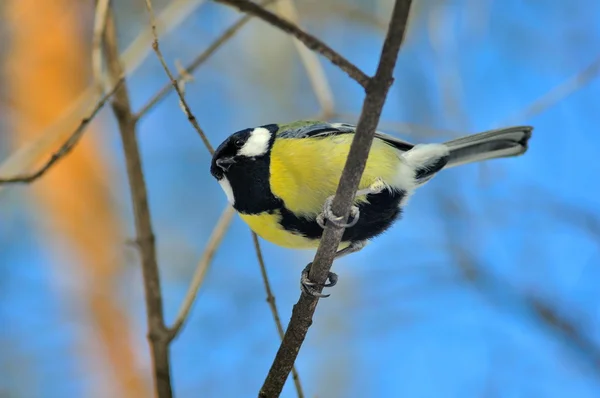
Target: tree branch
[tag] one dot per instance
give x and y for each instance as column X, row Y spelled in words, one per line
column 199, row 60
column 376, row 93
column 68, row 145
column 273, row 306
column 211, row 248
column 157, row 332
column 310, row 60
column 182, row 101
column 309, row 40
column 97, row 39
column 20, row 161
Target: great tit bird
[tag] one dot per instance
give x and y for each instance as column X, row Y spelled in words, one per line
column 281, row 178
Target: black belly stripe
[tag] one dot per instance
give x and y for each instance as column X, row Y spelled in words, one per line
column 376, row 217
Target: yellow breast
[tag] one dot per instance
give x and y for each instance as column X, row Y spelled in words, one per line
column 305, row 172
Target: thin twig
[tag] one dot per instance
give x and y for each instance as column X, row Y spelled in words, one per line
column 170, row 17
column 376, row 91
column 343, row 10
column 309, row 40
column 199, row 60
column 23, row 159
column 67, row 146
column 207, row 256
column 158, row 335
column 314, row 69
column 273, row 306
column 99, row 27
column 182, row 101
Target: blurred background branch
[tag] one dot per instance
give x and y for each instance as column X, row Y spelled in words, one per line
column 145, row 239
column 182, row 102
column 68, row 145
column 273, row 307
column 207, row 256
column 307, row 39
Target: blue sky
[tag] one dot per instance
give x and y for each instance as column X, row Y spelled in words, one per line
column 403, row 321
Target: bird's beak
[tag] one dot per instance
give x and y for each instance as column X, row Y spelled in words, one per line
column 225, row 163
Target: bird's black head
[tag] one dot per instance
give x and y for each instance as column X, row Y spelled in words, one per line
column 241, row 147
column 241, row 166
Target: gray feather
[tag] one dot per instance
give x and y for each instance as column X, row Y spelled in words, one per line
column 500, row 143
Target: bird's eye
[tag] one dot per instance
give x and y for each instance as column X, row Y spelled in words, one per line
column 238, row 143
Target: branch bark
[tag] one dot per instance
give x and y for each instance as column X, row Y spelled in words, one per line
column 309, row 40
column 158, row 335
column 184, row 105
column 199, row 60
column 213, row 244
column 66, row 147
column 273, row 307
column 376, row 93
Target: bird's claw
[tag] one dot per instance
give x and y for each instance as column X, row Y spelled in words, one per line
column 328, row 214
column 308, row 286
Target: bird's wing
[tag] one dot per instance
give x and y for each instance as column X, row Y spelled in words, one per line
column 315, row 129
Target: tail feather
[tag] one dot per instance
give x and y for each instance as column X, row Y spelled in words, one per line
column 506, row 142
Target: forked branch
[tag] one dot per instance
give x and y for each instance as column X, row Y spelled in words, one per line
column 309, row 40
column 376, row 93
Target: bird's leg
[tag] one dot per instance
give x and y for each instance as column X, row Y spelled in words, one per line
column 327, row 213
column 351, row 248
column 308, row 286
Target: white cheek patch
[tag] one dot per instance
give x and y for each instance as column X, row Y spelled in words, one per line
column 257, row 144
column 226, row 186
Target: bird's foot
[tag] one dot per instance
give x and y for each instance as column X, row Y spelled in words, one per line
column 310, row 288
column 338, row 221
column 328, row 214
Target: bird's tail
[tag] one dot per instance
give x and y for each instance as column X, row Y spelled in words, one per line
column 501, row 143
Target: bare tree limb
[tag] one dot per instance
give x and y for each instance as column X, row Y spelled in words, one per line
column 182, row 101
column 23, row 159
column 314, row 69
column 207, row 256
column 199, row 60
column 344, row 10
column 158, row 335
column 274, row 311
column 376, row 93
column 98, row 34
column 67, row 146
column 309, row 40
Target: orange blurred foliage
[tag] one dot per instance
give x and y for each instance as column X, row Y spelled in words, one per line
column 47, row 69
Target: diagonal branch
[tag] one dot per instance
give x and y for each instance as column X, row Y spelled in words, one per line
column 310, row 60
column 309, row 40
column 99, row 27
column 68, row 145
column 157, row 331
column 182, row 101
column 23, row 159
column 199, row 60
column 376, row 91
column 273, row 306
column 207, row 256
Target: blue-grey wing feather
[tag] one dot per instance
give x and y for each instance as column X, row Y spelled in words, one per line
column 315, row 129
